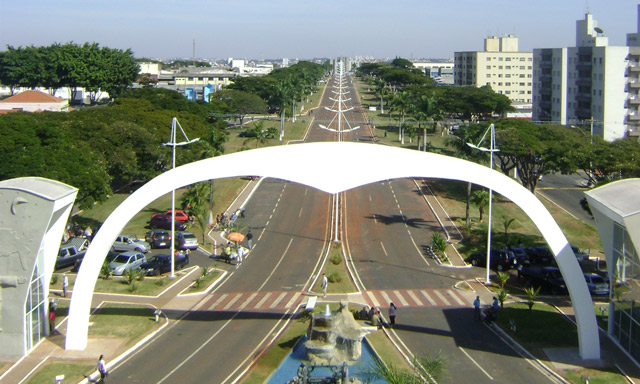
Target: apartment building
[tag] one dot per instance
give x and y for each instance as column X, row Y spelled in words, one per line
column 584, row 85
column 500, row 65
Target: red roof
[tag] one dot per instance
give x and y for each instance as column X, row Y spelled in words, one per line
column 32, row 97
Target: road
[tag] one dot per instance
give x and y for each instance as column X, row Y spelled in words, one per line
column 566, row 191
column 385, row 227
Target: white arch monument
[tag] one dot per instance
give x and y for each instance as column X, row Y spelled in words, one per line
column 328, row 166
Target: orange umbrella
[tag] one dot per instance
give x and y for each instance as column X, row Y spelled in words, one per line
column 235, row 236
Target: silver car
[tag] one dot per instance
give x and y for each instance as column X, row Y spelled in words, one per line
column 597, row 285
column 126, row 261
column 130, row 243
column 186, row 240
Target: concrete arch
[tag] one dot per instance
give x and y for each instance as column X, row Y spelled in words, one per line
column 327, row 167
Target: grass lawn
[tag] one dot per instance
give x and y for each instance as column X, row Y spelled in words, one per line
column 127, row 321
column 200, row 282
column 345, row 284
column 149, row 286
column 604, row 376
column 73, row 371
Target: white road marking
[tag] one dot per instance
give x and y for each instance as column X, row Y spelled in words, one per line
column 262, row 301
column 456, row 298
column 383, row 249
column 386, row 297
column 441, row 297
column 403, row 301
column 232, row 301
column 476, row 363
column 415, row 298
column 220, row 300
column 278, row 300
column 300, row 213
column 429, row 299
column 373, row 298
column 293, row 300
column 246, row 302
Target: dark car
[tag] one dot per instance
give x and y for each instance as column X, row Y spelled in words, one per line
column 164, row 222
column 540, row 255
column 520, row 255
column 110, row 256
column 160, row 264
column 500, row 260
column 547, row 278
column 158, row 238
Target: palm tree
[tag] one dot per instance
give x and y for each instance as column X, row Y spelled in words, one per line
column 506, row 223
column 401, row 103
column 381, row 90
column 480, row 199
column 532, row 295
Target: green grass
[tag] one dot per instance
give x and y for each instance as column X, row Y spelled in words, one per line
column 127, row 321
column 603, row 376
column 149, row 286
column 274, row 356
column 343, row 286
column 73, row 371
column 556, row 332
column 204, row 281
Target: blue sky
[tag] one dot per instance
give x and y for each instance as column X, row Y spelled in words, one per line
column 306, row 29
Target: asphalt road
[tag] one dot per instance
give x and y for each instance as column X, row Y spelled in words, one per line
column 385, row 226
column 566, row 191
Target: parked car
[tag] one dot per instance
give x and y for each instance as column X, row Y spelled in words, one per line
column 130, row 243
column 547, row 278
column 520, row 255
column 71, row 251
column 540, row 255
column 158, row 238
column 186, row 240
column 160, row 264
column 180, row 215
column 164, row 222
column 500, row 260
column 110, row 256
column 581, row 255
column 597, row 285
column 126, row 261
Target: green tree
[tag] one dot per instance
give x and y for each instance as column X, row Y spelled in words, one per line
column 502, row 277
column 480, row 198
column 532, row 295
column 402, row 102
column 506, row 224
column 242, row 103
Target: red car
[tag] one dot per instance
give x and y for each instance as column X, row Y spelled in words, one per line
column 180, row 215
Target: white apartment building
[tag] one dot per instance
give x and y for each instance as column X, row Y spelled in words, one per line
column 508, row 71
column 440, row 72
column 633, row 81
column 583, row 85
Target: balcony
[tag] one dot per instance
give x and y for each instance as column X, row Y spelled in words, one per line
column 634, row 116
column 634, row 100
column 634, row 68
column 634, row 84
column 584, row 82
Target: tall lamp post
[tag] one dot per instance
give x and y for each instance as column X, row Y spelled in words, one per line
column 173, row 144
column 492, row 148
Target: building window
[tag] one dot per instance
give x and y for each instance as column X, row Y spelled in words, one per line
column 507, row 59
column 488, row 67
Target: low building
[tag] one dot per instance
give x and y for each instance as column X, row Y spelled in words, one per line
column 196, row 83
column 33, row 101
column 616, row 210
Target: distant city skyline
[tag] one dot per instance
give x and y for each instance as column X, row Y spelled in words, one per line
column 304, row 30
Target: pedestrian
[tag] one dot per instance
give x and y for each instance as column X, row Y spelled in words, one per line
column 392, row 314
column 249, row 238
column 495, row 306
column 52, row 321
column 325, row 283
column 476, row 308
column 65, row 285
column 238, row 255
column 88, row 233
column 102, row 369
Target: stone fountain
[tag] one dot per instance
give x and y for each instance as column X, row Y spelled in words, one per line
column 334, row 338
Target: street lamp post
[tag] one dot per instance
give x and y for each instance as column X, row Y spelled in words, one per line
column 492, row 149
column 173, row 144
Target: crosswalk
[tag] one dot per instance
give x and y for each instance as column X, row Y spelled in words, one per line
column 280, row 301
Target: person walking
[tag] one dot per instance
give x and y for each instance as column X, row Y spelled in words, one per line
column 495, row 306
column 325, row 283
column 65, row 285
column 249, row 238
column 392, row 314
column 476, row 308
column 102, row 369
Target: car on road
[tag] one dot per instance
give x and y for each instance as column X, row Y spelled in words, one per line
column 130, row 243
column 158, row 238
column 500, row 260
column 126, row 261
column 159, row 264
column 110, row 256
column 70, row 251
column 597, row 284
column 186, row 240
column 162, row 221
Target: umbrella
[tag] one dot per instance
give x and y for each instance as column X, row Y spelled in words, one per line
column 235, row 236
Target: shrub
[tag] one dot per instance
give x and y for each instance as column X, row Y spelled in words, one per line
column 198, row 282
column 336, row 259
column 54, row 279
column 334, row 277
column 133, row 287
